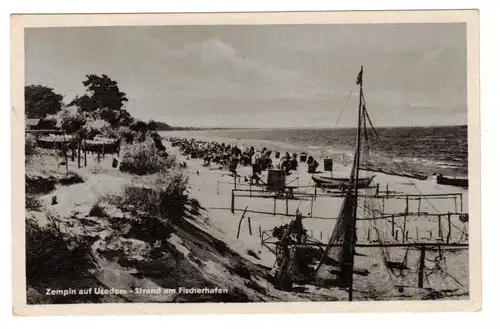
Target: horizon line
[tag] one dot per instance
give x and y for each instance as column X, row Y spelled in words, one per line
column 303, row 128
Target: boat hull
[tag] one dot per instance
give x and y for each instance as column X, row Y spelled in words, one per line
column 337, row 183
column 460, row 182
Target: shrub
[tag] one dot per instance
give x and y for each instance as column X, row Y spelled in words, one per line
column 162, row 194
column 30, row 144
column 139, row 126
column 50, row 122
column 99, row 127
column 126, row 134
column 52, row 255
column 151, row 125
column 32, row 203
column 72, row 121
column 158, row 141
column 70, row 178
column 143, row 158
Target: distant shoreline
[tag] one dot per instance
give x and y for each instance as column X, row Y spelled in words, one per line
column 297, row 128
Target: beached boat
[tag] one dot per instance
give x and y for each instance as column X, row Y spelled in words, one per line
column 460, row 182
column 340, row 183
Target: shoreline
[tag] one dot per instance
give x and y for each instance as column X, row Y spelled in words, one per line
column 343, row 154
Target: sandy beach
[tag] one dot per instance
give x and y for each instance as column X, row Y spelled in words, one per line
column 245, row 232
column 213, row 188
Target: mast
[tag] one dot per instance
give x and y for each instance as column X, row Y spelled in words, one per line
column 344, row 232
column 355, row 177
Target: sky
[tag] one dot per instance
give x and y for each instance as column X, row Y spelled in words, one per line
column 264, row 76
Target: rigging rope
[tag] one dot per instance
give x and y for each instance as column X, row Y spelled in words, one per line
column 334, row 128
column 399, row 167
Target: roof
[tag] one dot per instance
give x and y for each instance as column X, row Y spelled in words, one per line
column 32, row 122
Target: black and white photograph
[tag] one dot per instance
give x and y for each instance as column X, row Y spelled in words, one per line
column 248, row 163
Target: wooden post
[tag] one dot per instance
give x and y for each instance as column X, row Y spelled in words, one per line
column 449, row 228
column 79, row 155
column 407, row 235
column 85, row 152
column 418, row 238
column 65, row 153
column 387, row 190
column 430, row 234
column 421, row 267
column 397, row 235
column 232, row 201
column 392, row 222
column 235, row 181
column 455, row 201
column 239, row 224
column 218, row 187
column 440, row 229
column 274, row 211
column 383, row 206
column 461, row 204
column 321, row 235
column 260, row 232
column 376, row 192
column 407, row 205
column 249, row 226
column 404, row 229
column 286, row 204
column 312, row 205
column 73, row 151
column 418, row 210
column 368, row 236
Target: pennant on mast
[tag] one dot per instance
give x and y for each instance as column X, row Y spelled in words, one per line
column 359, row 79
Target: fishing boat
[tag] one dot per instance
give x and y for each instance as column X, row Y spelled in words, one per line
column 460, row 182
column 340, row 183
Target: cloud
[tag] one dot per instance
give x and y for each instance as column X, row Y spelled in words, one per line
column 213, row 61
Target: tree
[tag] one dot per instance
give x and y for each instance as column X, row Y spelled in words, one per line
column 41, row 101
column 104, row 100
column 72, row 122
column 139, row 126
column 48, row 123
column 152, row 125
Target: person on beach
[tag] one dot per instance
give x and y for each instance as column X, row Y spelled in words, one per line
column 312, row 165
column 256, row 171
column 233, row 163
column 285, row 164
column 293, row 162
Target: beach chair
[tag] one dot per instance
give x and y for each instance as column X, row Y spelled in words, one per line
column 275, row 180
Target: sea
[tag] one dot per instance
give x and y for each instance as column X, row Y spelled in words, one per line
column 419, row 150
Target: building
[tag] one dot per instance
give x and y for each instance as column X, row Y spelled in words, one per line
column 31, row 124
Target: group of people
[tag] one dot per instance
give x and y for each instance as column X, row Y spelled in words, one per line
column 230, row 156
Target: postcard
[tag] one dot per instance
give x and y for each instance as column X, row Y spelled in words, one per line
column 246, row 162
